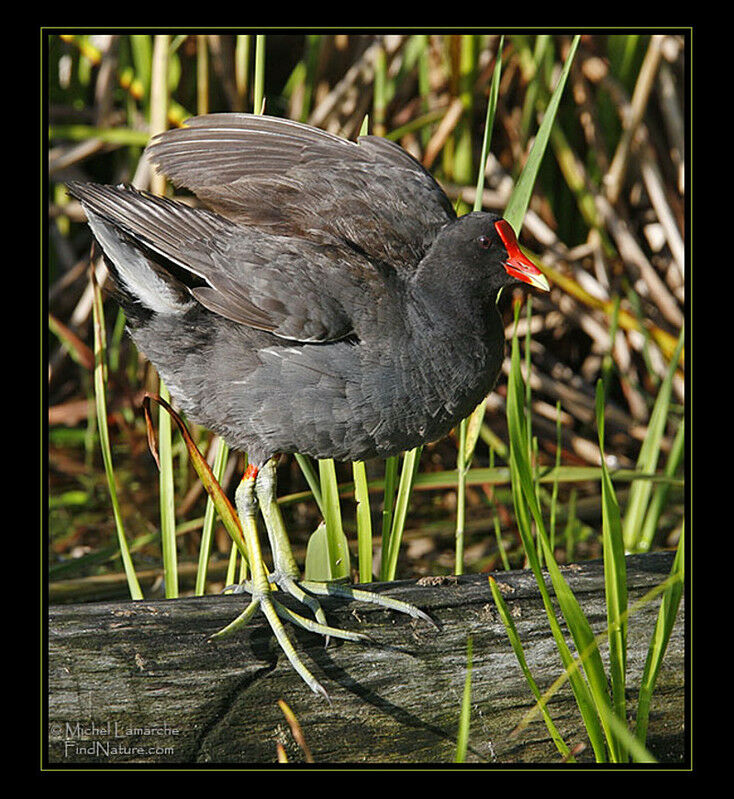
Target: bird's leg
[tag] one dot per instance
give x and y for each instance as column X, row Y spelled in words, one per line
column 261, row 591
column 285, row 571
column 284, row 564
column 286, row 574
column 258, row 487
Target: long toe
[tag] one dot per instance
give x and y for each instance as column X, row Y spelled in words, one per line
column 271, row 614
column 360, row 595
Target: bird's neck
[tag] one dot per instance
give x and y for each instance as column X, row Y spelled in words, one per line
column 455, row 351
column 447, row 302
column 466, row 328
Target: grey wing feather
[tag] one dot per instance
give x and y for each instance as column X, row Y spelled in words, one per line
column 250, row 277
column 280, row 175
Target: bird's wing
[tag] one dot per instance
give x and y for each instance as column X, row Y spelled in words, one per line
column 295, row 180
column 283, row 285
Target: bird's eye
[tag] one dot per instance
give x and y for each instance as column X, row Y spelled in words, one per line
column 484, row 242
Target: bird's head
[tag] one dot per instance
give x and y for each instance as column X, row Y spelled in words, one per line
column 480, row 249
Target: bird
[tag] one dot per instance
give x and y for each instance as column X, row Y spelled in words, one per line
column 324, row 299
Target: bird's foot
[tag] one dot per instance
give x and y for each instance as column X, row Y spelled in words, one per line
column 263, row 601
column 290, row 586
column 274, row 611
column 265, row 588
column 306, row 592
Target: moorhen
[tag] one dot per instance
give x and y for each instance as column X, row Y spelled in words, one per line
column 328, row 301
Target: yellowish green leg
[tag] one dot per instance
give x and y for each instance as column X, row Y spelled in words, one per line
column 286, row 574
column 285, row 570
column 260, row 586
column 258, row 487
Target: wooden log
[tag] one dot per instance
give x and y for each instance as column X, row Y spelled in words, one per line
column 139, row 682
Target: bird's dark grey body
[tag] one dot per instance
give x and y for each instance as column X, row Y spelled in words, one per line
column 350, row 399
column 328, row 303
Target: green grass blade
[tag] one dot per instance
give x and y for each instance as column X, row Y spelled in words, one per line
column 620, row 729
column 569, row 531
column 241, row 66
column 489, row 123
column 120, row 136
column 231, row 574
column 627, row 741
column 224, row 507
column 159, row 72
column 526, row 506
column 100, row 382
column 461, row 469
column 579, row 686
column 462, row 135
column 207, row 530
column 141, row 47
column 639, row 495
column 615, row 573
column 388, row 502
column 389, row 564
column 660, row 494
column 462, row 739
column 534, row 74
column 497, row 476
column 379, row 100
column 318, row 567
column 554, row 492
column 338, row 565
column 259, row 82
column 364, row 522
column 517, row 648
column 311, row 478
column 473, row 428
column 167, row 500
column 520, row 198
column 659, row 642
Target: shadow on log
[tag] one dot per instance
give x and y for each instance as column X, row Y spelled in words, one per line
column 140, row 683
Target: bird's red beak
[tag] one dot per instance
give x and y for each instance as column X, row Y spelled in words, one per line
column 518, row 265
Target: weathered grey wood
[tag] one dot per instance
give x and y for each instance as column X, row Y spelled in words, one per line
column 140, row 682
